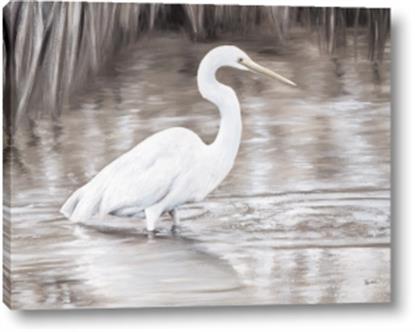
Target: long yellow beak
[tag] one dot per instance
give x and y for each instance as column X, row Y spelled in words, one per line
column 253, row 66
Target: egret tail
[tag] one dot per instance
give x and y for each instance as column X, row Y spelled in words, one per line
column 81, row 205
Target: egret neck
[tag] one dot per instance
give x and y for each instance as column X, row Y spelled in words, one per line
column 225, row 147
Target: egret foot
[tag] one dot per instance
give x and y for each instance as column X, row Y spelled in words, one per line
column 151, row 235
column 175, row 229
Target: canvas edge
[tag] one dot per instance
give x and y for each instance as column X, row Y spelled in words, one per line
column 7, row 264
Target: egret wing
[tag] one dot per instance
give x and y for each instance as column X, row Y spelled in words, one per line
column 139, row 178
column 140, row 188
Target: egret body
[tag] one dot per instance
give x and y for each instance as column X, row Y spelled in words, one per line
column 174, row 166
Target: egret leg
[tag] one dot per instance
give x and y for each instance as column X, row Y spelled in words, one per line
column 176, row 220
column 152, row 215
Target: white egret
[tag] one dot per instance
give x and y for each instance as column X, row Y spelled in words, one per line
column 174, row 166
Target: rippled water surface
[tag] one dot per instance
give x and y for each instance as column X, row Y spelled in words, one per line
column 304, row 216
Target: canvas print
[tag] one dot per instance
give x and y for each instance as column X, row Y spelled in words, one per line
column 161, row 155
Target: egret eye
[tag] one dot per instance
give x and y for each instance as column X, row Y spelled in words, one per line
column 240, row 60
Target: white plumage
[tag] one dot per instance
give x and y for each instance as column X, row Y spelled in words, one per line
column 174, row 166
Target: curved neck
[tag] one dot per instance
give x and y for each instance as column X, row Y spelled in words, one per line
column 228, row 138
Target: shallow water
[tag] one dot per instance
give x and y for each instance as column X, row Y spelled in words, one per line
column 304, row 216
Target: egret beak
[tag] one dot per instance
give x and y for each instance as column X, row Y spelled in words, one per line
column 253, row 66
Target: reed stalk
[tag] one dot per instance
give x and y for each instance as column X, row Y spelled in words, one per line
column 52, row 48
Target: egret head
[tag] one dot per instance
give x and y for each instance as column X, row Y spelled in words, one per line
column 232, row 56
